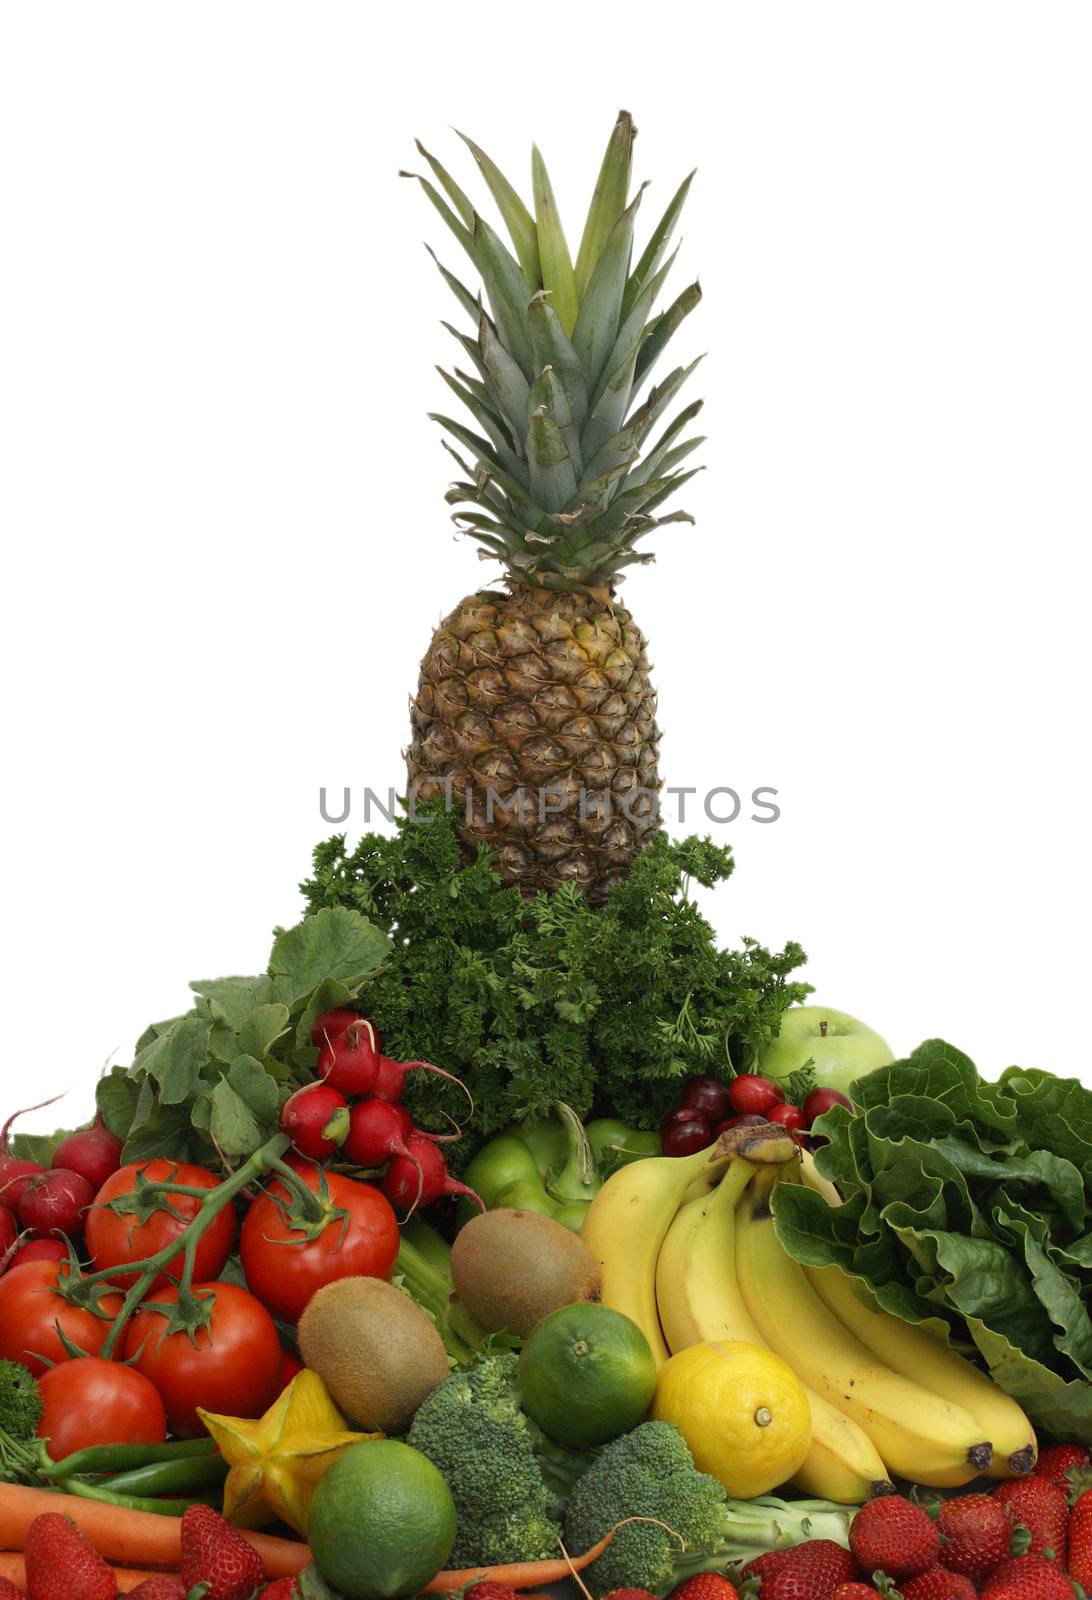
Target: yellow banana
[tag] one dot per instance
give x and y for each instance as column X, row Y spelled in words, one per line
column 699, row 1301
column 917, row 1433
column 917, row 1354
column 628, row 1220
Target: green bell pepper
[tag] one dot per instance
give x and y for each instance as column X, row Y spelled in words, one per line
column 552, row 1167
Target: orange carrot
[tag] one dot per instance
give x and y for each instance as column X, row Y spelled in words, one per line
column 127, row 1537
column 523, row 1574
column 13, row 1568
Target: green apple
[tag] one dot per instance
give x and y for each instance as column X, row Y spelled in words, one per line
column 842, row 1048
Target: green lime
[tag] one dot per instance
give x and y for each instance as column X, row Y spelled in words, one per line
column 586, row 1375
column 382, row 1521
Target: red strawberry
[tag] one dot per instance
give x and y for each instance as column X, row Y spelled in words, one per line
column 501, row 1591
column 1028, row 1577
column 938, row 1583
column 856, row 1591
column 894, row 1536
column 811, row 1571
column 1057, row 1462
column 63, row 1565
column 975, row 1535
column 8, row 1591
column 164, row 1588
column 214, row 1553
column 288, row 1589
column 1080, row 1541
column 1042, row 1508
column 706, row 1586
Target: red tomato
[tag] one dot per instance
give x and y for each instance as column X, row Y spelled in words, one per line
column 232, row 1366
column 31, row 1311
column 290, row 1365
column 115, row 1241
column 92, row 1402
column 285, row 1269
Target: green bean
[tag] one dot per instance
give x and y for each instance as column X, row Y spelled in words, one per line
column 136, row 1502
column 171, row 1477
column 125, row 1457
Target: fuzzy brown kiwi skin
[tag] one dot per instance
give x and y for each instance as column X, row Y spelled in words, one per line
column 512, row 1267
column 377, row 1352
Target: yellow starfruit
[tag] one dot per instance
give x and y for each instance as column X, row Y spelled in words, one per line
column 275, row 1461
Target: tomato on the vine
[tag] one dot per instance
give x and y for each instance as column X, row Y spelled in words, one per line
column 117, row 1241
column 284, row 1268
column 233, row 1365
column 92, row 1402
column 34, row 1315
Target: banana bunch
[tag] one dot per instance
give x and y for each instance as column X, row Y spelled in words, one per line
column 689, row 1251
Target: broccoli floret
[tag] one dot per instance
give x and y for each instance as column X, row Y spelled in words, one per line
column 20, row 1413
column 650, row 1473
column 472, row 1429
column 20, row 1401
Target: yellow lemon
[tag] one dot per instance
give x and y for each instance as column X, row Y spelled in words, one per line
column 741, row 1409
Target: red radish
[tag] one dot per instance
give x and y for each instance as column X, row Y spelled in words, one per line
column 39, row 1250
column 325, row 1029
column 9, row 1232
column 684, row 1131
column 819, row 1101
column 315, row 1119
column 751, row 1092
column 709, row 1096
column 390, row 1080
column 350, row 1062
column 420, row 1177
column 750, row 1119
column 790, row 1117
column 94, row 1153
column 56, row 1200
column 14, row 1173
column 378, row 1130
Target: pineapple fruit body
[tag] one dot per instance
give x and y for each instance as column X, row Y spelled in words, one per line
column 535, row 714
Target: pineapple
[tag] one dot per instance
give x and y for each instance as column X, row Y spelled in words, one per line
column 535, row 711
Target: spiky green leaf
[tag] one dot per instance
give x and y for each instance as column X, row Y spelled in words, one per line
column 550, row 347
column 601, row 308
column 551, row 469
column 609, row 199
column 470, row 303
column 508, row 378
column 654, row 250
column 461, row 232
column 460, row 201
column 558, row 278
column 494, row 426
column 609, row 407
column 493, row 469
column 548, row 395
column 517, row 219
column 662, row 330
column 507, row 292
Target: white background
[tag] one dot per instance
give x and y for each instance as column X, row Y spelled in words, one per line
column 226, row 542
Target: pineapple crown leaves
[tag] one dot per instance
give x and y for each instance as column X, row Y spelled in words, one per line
column 562, row 471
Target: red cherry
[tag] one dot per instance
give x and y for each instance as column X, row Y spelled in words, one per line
column 820, row 1101
column 709, row 1096
column 750, row 1119
column 684, row 1131
column 790, row 1117
column 752, row 1092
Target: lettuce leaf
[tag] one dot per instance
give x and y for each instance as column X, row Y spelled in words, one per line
column 967, row 1209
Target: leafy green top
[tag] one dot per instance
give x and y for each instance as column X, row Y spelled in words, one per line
column 211, row 1082
column 559, row 490
column 605, row 1007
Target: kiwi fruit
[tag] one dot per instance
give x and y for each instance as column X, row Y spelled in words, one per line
column 512, row 1267
column 374, row 1349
